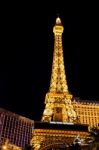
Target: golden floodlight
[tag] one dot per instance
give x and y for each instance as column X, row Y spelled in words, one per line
column 4, row 147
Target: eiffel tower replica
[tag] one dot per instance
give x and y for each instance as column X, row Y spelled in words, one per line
column 58, row 126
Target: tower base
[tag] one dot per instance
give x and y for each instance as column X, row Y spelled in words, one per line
column 57, row 135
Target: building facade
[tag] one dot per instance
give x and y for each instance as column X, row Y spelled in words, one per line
column 17, row 129
column 87, row 112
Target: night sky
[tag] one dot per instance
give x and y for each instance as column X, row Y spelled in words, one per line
column 26, row 52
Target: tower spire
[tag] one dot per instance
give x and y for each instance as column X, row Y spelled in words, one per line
column 58, row 99
column 58, row 78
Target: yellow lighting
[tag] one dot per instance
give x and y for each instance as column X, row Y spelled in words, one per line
column 58, row 100
column 58, row 20
column 61, row 107
column 4, row 147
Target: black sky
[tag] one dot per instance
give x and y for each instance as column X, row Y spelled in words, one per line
column 27, row 49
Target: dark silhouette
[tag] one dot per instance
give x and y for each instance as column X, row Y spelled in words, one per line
column 28, row 147
column 75, row 147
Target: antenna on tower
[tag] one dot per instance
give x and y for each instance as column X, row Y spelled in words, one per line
column 58, row 14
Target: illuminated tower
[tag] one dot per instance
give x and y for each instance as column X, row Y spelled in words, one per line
column 58, row 105
column 59, row 127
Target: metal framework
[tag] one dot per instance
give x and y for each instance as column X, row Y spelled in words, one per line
column 60, row 106
column 46, row 136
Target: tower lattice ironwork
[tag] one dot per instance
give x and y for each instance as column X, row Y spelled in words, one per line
column 58, row 105
column 58, row 128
